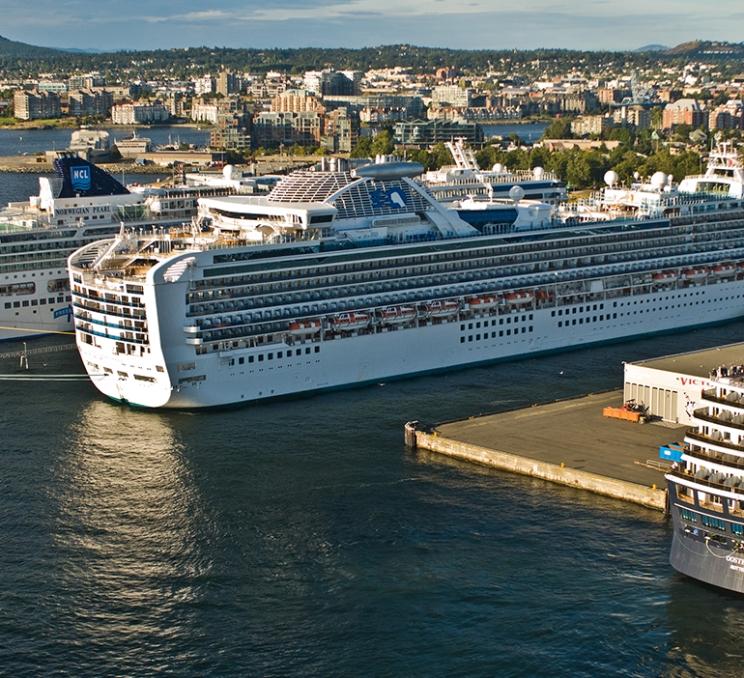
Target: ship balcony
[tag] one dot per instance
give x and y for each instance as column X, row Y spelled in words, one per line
column 701, row 417
column 705, row 485
column 194, row 341
column 733, row 401
column 191, row 329
column 718, row 445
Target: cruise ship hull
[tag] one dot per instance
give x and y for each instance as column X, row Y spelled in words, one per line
column 695, row 554
column 224, row 378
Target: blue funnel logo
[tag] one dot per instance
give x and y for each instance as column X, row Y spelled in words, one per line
column 80, row 177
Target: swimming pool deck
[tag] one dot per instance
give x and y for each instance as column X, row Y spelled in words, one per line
column 567, row 442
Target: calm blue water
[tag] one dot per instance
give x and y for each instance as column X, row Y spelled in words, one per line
column 529, row 132
column 14, row 142
column 301, row 538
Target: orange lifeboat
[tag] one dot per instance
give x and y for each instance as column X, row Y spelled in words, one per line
column 664, row 277
column 694, row 274
column 519, row 298
column 442, row 309
column 483, row 303
column 348, row 322
column 396, row 315
column 724, row 269
column 304, row 328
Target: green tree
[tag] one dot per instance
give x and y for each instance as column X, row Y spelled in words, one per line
column 559, row 128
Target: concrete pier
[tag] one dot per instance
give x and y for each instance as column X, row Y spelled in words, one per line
column 567, row 442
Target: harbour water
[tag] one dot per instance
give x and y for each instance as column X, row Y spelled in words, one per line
column 21, row 141
column 300, row 537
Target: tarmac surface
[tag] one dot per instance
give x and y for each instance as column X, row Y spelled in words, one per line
column 575, row 433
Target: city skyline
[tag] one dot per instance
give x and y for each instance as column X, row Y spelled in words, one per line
column 476, row 24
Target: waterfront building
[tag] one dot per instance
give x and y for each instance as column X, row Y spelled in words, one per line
column 52, row 86
column 232, row 132
column 204, row 85
column 139, row 113
column 35, row 105
column 586, row 125
column 205, row 112
column 90, row 102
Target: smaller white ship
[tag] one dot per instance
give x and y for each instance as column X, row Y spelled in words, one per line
column 465, row 180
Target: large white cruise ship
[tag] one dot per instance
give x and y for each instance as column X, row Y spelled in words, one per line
column 81, row 204
column 342, row 277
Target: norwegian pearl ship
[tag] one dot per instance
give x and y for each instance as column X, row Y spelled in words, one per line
column 81, row 204
column 343, row 277
column 706, row 489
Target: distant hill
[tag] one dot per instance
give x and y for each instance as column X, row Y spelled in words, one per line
column 707, row 48
column 652, row 48
column 10, row 49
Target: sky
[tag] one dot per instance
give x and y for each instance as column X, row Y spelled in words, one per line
column 474, row 24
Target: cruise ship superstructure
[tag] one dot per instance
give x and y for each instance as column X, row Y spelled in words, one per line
column 80, row 204
column 706, row 489
column 465, row 180
column 344, row 277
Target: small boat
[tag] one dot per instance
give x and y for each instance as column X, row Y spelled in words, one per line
column 483, row 303
column 442, row 309
column 396, row 315
column 519, row 298
column 664, row 277
column 304, row 328
column 348, row 322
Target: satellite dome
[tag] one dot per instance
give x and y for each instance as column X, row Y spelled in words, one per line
column 658, row 180
column 498, row 168
column 516, row 193
column 611, row 178
column 228, row 172
column 538, row 172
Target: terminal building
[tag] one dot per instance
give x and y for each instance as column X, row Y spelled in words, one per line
column 671, row 386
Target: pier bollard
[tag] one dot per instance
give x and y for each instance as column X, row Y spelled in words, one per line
column 409, row 434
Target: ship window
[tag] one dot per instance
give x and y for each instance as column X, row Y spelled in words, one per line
column 307, row 351
column 250, row 358
column 462, row 340
column 241, row 361
column 317, row 349
column 560, row 323
column 8, row 304
column 713, row 522
column 260, row 357
column 271, row 356
column 501, row 333
column 470, row 338
column 477, row 337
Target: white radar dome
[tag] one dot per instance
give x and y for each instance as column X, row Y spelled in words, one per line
column 538, row 172
column 611, row 178
column 636, row 175
column 228, row 172
column 516, row 193
column 498, row 168
column 658, row 180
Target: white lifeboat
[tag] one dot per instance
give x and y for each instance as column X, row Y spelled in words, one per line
column 396, row 315
column 442, row 309
column 664, row 277
column 519, row 298
column 483, row 303
column 350, row 321
column 304, row 328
